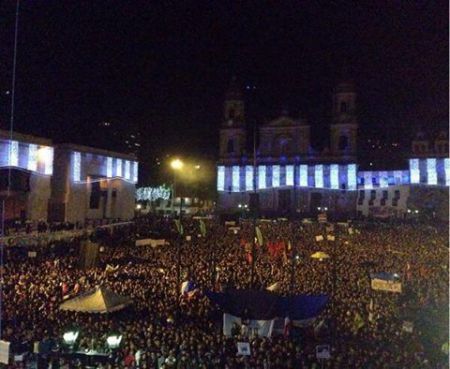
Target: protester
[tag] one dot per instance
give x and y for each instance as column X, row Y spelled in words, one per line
column 165, row 329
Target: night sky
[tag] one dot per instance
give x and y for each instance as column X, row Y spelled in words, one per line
column 163, row 68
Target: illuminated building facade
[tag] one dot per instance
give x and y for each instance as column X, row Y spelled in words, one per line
column 292, row 178
column 66, row 183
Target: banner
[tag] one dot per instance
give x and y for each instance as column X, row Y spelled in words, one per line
column 4, row 352
column 202, row 228
column 259, row 236
column 385, row 285
column 151, row 242
column 233, row 325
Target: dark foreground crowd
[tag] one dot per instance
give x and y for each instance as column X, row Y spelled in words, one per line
column 162, row 329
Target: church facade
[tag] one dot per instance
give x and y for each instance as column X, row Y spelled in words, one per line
column 285, row 176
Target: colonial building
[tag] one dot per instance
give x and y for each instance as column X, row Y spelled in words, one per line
column 286, row 176
column 64, row 182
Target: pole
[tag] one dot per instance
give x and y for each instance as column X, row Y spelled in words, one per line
column 256, row 201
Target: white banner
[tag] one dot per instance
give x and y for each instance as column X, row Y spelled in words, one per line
column 151, row 242
column 261, row 328
column 384, row 285
column 4, row 352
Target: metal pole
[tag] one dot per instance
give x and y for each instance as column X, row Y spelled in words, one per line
column 256, row 206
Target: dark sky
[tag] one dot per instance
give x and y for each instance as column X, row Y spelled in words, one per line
column 163, row 67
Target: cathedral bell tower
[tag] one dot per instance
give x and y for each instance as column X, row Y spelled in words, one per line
column 232, row 132
column 344, row 126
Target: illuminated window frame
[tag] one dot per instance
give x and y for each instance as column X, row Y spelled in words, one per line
column 127, row 170
column 275, row 176
column 32, row 157
column 303, row 175
column 249, row 178
column 109, row 167
column 431, row 172
column 221, row 178
column 289, row 175
column 118, row 167
column 13, row 153
column 368, row 184
column 334, row 176
column 318, row 176
column 135, row 171
column 351, row 177
column 76, row 166
column 447, row 171
column 262, row 177
column 414, row 171
column 48, row 161
column 235, row 178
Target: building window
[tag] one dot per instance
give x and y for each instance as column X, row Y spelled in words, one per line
column 343, row 143
column 343, row 107
column 230, row 146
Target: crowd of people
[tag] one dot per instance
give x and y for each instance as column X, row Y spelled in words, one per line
column 162, row 329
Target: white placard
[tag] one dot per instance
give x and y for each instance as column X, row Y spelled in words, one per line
column 4, row 352
column 330, row 237
column 319, row 238
column 323, row 352
column 243, row 348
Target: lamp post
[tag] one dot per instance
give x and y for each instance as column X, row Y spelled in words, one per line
column 177, row 165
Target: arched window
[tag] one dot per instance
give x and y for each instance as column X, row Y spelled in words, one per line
column 343, row 143
column 343, row 107
column 230, row 146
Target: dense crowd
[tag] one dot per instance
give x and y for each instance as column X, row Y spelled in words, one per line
column 162, row 329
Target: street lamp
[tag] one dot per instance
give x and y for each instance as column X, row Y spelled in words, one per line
column 176, row 164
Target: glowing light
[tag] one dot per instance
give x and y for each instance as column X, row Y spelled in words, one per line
column 76, row 166
column 127, row 170
column 32, row 157
column 118, row 167
column 13, row 154
column 384, row 179
column 431, row 172
column 289, row 175
column 248, row 178
column 368, row 185
column 176, row 164
column 275, row 176
column 351, row 176
column 109, row 167
column 152, row 193
column 262, row 177
column 135, row 171
column 447, row 171
column 303, row 176
column 414, row 171
column 235, row 179
column 334, row 176
column 318, row 176
column 221, row 178
column 48, row 160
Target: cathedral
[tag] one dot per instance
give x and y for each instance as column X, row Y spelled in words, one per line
column 284, row 175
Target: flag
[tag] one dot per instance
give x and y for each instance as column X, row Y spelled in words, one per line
column 110, row 269
column 249, row 257
column 371, row 314
column 287, row 326
column 358, row 322
column 202, row 228
column 179, row 226
column 188, row 289
column 259, row 236
column 273, row 287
